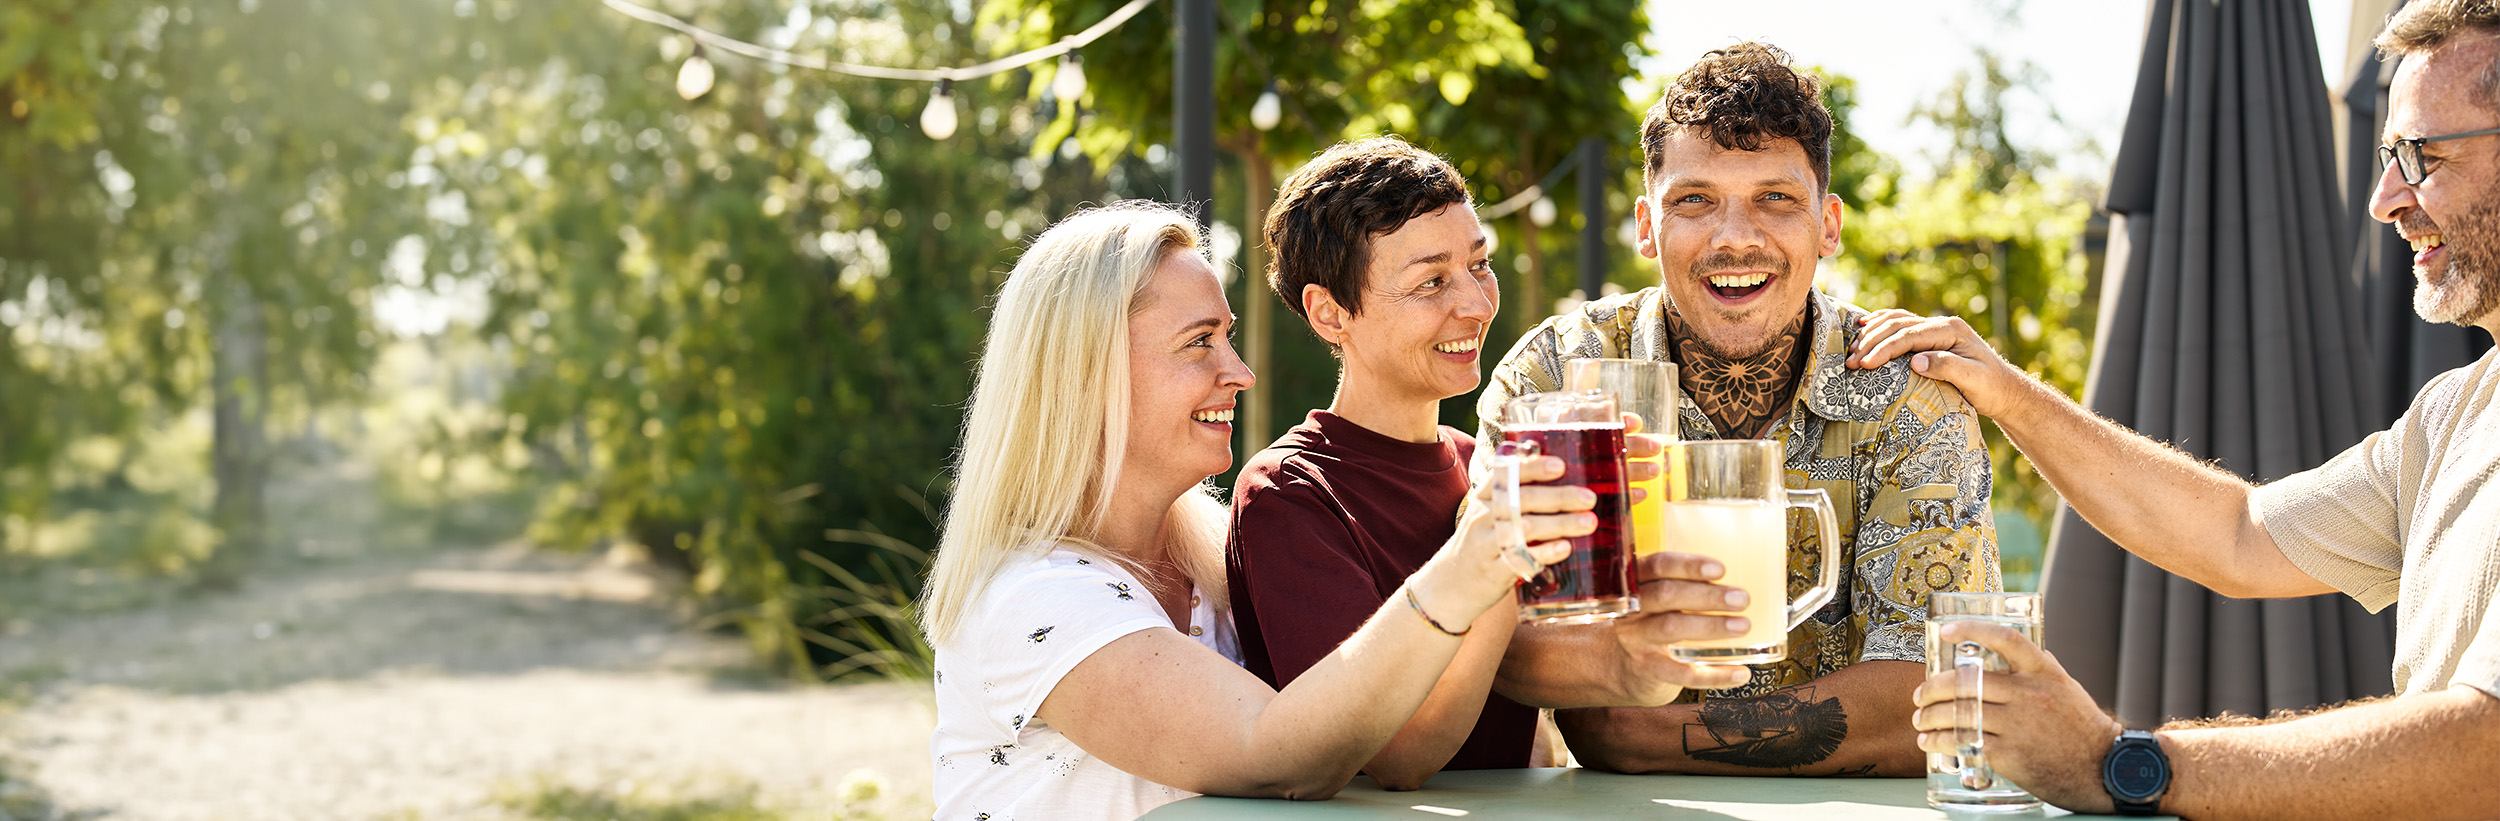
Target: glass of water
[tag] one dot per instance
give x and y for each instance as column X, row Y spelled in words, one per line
column 1964, row 781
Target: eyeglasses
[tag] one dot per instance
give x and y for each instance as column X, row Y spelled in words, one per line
column 2407, row 153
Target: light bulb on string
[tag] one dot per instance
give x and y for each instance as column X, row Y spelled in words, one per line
column 1265, row 113
column 938, row 120
column 695, row 77
column 1070, row 82
column 1541, row 212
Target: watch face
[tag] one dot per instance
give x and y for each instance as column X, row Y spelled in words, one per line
column 2137, row 772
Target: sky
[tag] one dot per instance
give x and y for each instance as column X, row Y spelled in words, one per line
column 1902, row 52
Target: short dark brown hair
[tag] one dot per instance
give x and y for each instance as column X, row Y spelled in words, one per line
column 2422, row 26
column 1742, row 96
column 1321, row 228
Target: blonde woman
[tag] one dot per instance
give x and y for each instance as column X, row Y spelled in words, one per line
column 1086, row 663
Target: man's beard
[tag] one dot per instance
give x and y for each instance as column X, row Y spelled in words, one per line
column 2466, row 291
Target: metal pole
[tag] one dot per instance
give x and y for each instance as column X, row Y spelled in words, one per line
column 1258, row 305
column 1193, row 105
column 1593, row 216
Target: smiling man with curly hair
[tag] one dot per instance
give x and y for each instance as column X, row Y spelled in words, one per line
column 1736, row 210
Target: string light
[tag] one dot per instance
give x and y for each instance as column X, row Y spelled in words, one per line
column 695, row 77
column 1011, row 62
column 1265, row 113
column 938, row 120
column 1070, row 84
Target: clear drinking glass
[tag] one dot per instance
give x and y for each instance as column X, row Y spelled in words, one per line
column 1964, row 781
column 1726, row 501
column 1583, row 429
column 1644, row 388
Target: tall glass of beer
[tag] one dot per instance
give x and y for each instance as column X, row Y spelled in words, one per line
column 1647, row 389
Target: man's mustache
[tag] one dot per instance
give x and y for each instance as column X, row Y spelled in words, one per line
column 1755, row 260
column 2413, row 224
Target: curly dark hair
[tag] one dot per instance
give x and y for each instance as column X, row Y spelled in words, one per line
column 1321, row 228
column 1742, row 96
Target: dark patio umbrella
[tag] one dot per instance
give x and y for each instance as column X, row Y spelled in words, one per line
column 2408, row 350
column 2231, row 329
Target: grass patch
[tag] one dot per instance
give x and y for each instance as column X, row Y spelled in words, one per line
column 630, row 801
column 862, row 796
column 869, row 617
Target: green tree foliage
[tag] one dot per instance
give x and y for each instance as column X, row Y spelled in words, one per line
column 52, row 57
column 741, row 327
column 1342, row 68
column 197, row 205
column 1581, row 55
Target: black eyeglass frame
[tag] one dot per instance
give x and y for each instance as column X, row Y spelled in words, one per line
column 2412, row 170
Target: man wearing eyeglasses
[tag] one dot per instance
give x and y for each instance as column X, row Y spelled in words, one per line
column 2404, row 516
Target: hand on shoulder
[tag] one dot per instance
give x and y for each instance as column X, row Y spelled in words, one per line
column 1945, row 349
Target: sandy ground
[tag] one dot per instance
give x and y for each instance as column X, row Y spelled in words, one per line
column 429, row 686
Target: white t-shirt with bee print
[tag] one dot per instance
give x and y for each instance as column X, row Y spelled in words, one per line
column 1040, row 617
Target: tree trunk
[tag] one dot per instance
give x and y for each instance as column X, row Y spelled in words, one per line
column 1258, row 306
column 239, row 449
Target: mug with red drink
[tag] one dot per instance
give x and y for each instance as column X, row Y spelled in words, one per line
column 1583, row 429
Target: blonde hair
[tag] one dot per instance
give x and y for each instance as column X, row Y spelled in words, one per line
column 1048, row 427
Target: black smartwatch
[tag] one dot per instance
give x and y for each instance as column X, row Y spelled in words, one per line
column 2136, row 773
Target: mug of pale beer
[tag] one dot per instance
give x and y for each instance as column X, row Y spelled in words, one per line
column 1726, row 501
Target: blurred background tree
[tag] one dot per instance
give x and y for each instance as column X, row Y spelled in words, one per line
column 1583, row 59
column 740, row 327
column 195, row 229
column 51, row 54
column 485, row 254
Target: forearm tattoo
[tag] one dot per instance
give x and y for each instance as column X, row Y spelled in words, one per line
column 1784, row 730
column 1741, row 395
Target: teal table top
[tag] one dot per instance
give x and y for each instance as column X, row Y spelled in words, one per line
column 1584, row 794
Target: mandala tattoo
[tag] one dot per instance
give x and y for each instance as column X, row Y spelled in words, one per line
column 1784, row 730
column 1741, row 395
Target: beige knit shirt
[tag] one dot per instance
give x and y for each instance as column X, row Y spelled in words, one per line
column 2403, row 517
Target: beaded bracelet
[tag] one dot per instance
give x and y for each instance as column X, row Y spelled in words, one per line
column 1418, row 607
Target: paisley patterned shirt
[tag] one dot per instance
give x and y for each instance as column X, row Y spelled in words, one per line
column 1900, row 455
